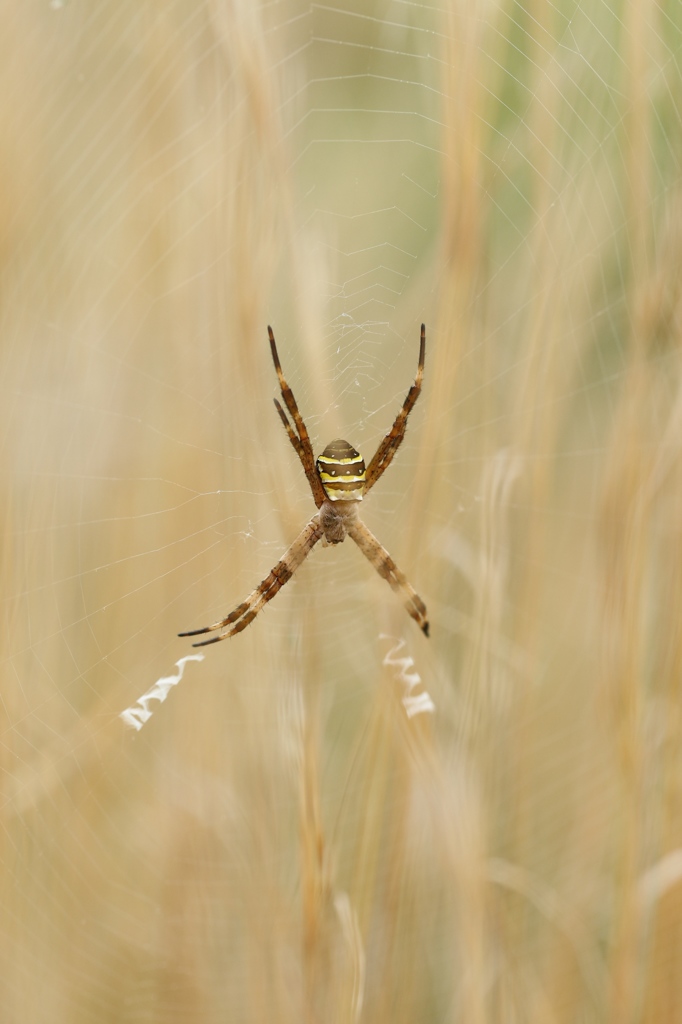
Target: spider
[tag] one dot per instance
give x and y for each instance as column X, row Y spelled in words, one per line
column 338, row 481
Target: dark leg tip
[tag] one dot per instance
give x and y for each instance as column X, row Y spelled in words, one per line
column 425, row 629
column 204, row 643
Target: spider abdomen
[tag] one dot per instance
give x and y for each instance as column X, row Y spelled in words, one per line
column 342, row 471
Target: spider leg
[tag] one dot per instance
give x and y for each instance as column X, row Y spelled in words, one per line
column 390, row 444
column 247, row 611
column 293, row 436
column 299, row 437
column 377, row 554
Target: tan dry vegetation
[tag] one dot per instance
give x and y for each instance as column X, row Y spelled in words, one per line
column 282, row 842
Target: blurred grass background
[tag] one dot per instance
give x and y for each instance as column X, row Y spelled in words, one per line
column 281, row 841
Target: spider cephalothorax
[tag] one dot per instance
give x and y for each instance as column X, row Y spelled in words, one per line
column 336, row 518
column 338, row 480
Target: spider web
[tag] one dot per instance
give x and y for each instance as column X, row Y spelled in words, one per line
column 330, row 817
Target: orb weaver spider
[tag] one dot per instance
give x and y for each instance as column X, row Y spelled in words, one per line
column 338, row 480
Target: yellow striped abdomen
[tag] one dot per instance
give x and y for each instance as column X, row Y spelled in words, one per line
column 342, row 472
